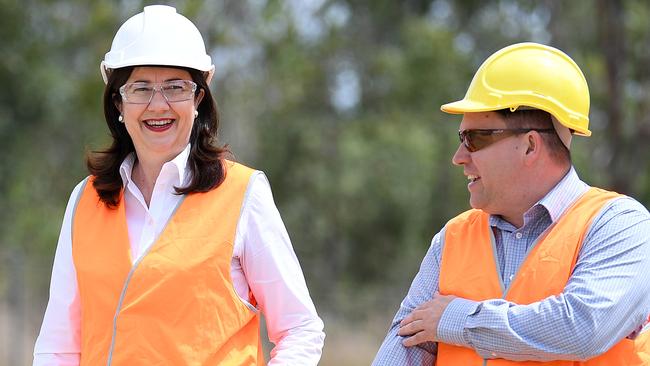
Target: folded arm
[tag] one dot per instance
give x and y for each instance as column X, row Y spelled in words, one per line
column 604, row 301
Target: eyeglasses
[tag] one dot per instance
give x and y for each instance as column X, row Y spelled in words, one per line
column 475, row 140
column 173, row 91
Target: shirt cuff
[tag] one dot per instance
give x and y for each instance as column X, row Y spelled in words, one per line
column 452, row 322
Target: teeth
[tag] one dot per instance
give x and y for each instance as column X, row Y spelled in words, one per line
column 473, row 177
column 159, row 122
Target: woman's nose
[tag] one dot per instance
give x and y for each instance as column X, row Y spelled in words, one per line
column 158, row 101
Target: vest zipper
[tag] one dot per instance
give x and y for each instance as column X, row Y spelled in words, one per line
column 119, row 303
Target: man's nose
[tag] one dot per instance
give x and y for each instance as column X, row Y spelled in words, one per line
column 461, row 156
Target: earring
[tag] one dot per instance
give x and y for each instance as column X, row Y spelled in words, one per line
column 196, row 114
column 120, row 118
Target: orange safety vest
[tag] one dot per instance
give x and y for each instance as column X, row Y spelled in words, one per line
column 176, row 305
column 468, row 271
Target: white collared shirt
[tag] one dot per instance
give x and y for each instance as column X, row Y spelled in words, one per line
column 263, row 261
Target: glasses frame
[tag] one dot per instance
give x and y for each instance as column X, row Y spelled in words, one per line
column 157, row 87
column 467, row 136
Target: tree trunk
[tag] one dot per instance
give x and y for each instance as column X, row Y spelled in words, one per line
column 611, row 34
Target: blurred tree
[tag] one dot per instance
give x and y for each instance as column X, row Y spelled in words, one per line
column 626, row 110
column 49, row 97
column 346, row 135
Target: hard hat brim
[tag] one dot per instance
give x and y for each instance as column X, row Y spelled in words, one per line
column 105, row 71
column 466, row 106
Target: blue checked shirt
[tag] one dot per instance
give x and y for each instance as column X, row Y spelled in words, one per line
column 606, row 299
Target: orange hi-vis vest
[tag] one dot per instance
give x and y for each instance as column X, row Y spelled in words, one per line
column 469, row 271
column 176, row 305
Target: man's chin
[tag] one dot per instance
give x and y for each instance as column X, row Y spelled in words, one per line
column 475, row 203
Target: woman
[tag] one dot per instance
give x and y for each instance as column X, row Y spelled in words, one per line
column 168, row 250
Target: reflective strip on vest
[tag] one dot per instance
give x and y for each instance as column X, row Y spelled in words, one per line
column 177, row 304
column 545, row 272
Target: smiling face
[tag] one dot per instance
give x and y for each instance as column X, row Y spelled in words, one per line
column 160, row 130
column 495, row 172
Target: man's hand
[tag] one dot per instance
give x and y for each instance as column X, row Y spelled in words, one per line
column 422, row 323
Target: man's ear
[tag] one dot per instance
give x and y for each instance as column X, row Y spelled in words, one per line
column 532, row 144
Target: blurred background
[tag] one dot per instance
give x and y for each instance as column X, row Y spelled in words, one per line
column 337, row 101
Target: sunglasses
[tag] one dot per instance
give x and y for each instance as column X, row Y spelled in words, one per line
column 475, row 140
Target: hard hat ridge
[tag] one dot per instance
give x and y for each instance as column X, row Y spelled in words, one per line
column 158, row 36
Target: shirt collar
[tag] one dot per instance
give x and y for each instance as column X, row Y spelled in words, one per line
column 569, row 189
column 175, row 171
column 556, row 201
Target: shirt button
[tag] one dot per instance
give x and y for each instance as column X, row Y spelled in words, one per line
column 493, row 354
column 511, row 276
column 518, row 235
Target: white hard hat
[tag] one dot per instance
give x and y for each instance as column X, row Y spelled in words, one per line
column 158, row 36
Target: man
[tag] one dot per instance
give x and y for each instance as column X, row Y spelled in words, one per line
column 544, row 267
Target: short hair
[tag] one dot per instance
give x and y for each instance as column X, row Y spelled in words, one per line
column 537, row 118
column 205, row 160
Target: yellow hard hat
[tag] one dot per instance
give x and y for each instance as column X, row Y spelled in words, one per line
column 529, row 75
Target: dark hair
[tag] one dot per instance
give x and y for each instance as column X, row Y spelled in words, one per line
column 205, row 160
column 537, row 118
